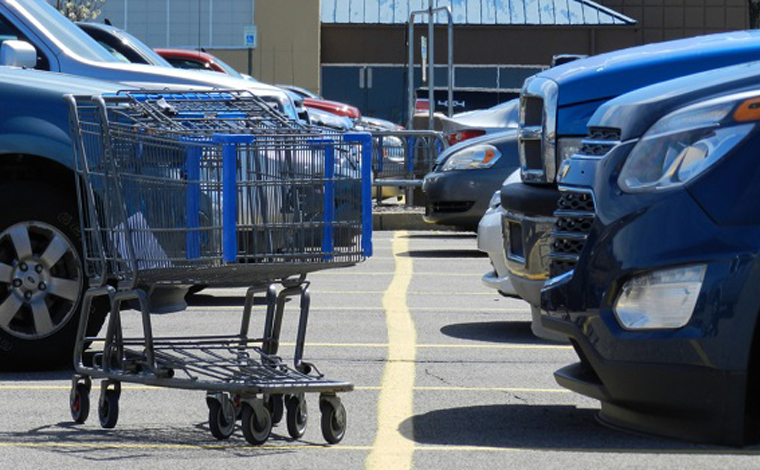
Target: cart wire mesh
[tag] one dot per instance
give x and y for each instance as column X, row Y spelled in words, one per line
column 216, row 189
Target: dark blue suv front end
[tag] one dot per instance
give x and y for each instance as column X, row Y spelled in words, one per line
column 655, row 275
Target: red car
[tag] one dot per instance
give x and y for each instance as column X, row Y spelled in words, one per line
column 198, row 60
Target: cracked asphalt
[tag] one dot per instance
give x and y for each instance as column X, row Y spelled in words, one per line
column 447, row 375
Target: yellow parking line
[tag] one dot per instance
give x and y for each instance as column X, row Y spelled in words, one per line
column 347, row 448
column 391, row 450
column 364, row 389
column 379, row 309
column 389, row 273
column 377, row 292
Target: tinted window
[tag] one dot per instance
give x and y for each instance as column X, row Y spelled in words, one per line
column 191, row 64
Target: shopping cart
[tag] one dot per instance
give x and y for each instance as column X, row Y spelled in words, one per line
column 214, row 189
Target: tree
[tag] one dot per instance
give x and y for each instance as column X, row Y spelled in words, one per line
column 79, row 10
column 754, row 14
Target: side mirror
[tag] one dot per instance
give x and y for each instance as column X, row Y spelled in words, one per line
column 18, row 54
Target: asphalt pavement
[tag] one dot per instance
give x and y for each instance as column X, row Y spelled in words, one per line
column 447, row 375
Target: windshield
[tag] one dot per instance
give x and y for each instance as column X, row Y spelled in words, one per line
column 227, row 68
column 143, row 49
column 61, row 30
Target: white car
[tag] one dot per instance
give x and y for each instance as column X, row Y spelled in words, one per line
column 491, row 241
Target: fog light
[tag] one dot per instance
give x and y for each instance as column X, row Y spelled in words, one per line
column 662, row 299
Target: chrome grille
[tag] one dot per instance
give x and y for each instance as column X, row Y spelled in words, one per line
column 532, row 117
column 600, row 141
column 575, row 216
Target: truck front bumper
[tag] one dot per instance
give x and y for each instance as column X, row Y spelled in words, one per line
column 528, row 220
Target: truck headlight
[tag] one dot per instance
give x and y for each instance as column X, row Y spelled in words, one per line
column 686, row 142
column 476, row 157
column 662, row 299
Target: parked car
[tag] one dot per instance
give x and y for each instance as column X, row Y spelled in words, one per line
column 312, row 100
column 36, row 160
column 40, row 232
column 465, row 177
column 465, row 126
column 197, row 60
column 655, row 259
column 123, row 45
column 490, row 241
column 60, row 46
column 555, row 106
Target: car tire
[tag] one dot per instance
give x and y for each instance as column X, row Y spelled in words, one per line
column 42, row 278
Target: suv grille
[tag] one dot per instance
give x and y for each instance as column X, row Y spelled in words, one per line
column 575, row 215
column 600, row 141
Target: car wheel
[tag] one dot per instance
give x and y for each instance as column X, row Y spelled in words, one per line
column 42, row 278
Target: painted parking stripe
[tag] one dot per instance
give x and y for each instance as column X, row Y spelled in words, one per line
column 391, row 450
column 364, row 389
column 348, row 448
column 526, row 311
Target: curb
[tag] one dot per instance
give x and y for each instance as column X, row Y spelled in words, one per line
column 385, row 221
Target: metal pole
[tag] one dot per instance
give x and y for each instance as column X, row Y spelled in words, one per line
column 431, row 65
column 410, row 73
column 451, row 61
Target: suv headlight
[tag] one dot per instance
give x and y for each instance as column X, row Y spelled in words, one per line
column 662, row 299
column 476, row 157
column 567, row 147
column 682, row 145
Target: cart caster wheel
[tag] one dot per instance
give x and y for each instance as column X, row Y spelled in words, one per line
column 276, row 407
column 256, row 424
column 79, row 403
column 108, row 409
column 298, row 415
column 221, row 417
column 333, row 420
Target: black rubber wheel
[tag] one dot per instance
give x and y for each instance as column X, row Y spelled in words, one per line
column 42, row 279
column 276, row 407
column 108, row 409
column 298, row 416
column 333, row 421
column 222, row 427
column 79, row 403
column 256, row 428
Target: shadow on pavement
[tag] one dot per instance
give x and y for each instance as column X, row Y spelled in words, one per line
column 63, row 373
column 444, row 254
column 204, row 300
column 91, row 442
column 550, row 427
column 495, row 332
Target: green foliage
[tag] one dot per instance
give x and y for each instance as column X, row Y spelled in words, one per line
column 79, row 10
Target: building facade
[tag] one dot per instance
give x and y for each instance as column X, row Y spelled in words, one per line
column 356, row 50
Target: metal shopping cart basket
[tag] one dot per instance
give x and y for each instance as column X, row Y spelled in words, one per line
column 214, row 189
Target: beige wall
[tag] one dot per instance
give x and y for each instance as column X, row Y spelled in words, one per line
column 662, row 20
column 288, row 49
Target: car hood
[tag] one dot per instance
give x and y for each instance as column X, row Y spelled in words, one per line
column 51, row 83
column 614, row 73
column 503, row 116
column 635, row 112
column 152, row 73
